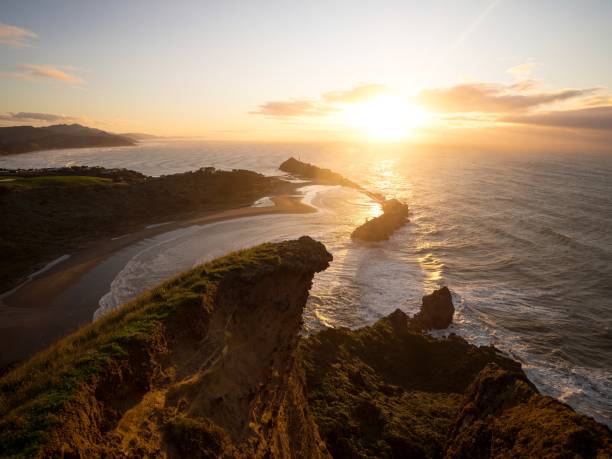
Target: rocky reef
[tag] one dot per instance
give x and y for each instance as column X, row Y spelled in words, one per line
column 394, row 216
column 211, row 364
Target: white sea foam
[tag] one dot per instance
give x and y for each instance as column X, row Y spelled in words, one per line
column 263, row 202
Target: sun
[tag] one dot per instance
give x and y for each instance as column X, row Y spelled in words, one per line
column 385, row 118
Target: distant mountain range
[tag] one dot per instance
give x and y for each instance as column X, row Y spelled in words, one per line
column 23, row 139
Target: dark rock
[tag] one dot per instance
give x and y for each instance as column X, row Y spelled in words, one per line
column 322, row 175
column 436, row 311
column 503, row 415
column 395, row 215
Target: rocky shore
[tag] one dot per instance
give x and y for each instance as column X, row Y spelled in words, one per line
column 211, row 364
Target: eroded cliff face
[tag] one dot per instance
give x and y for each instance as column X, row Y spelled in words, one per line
column 202, row 366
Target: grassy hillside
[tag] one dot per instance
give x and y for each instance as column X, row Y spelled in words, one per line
column 47, row 215
column 79, row 388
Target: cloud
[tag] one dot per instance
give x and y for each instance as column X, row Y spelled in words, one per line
column 326, row 104
column 357, row 94
column 599, row 118
column 292, row 108
column 522, row 71
column 14, row 36
column 35, row 117
column 32, row 72
column 492, row 98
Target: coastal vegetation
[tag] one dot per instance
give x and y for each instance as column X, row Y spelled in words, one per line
column 49, row 212
column 185, row 360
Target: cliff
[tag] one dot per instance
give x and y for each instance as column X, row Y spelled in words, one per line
column 23, row 139
column 394, row 216
column 202, row 366
column 210, row 364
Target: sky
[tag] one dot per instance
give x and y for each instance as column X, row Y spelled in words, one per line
column 460, row 72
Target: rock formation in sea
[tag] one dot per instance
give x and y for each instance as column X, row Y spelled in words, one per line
column 394, row 216
column 324, row 176
column 211, row 364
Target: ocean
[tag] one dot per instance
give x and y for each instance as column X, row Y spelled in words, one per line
column 524, row 242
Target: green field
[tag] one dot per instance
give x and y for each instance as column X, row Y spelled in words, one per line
column 55, row 180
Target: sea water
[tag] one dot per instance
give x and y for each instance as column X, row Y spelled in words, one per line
column 523, row 241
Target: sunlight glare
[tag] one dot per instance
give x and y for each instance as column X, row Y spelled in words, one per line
column 385, row 118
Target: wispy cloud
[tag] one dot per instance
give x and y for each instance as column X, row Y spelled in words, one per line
column 35, row 117
column 32, row 72
column 522, row 71
column 292, row 108
column 493, row 98
column 326, row 104
column 357, row 94
column 585, row 118
column 15, row 37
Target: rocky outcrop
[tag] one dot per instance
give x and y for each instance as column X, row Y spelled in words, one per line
column 321, row 175
column 388, row 391
column 436, row 311
column 202, row 366
column 394, row 216
column 503, row 415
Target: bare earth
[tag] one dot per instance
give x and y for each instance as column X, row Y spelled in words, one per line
column 47, row 308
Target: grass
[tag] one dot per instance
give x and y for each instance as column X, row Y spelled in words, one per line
column 52, row 180
column 33, row 395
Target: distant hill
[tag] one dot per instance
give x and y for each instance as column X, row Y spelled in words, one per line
column 23, row 139
column 138, row 136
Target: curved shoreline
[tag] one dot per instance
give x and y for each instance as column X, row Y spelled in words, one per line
column 37, row 313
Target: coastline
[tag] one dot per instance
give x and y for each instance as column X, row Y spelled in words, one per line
column 37, row 312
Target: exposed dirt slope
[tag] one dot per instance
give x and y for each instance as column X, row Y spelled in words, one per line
column 202, row 366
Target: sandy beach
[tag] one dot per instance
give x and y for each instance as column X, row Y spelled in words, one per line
column 45, row 308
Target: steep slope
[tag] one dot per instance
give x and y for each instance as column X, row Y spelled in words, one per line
column 202, row 366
